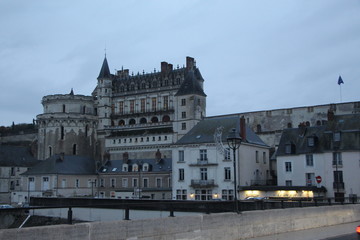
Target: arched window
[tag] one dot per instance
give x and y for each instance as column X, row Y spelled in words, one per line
column 135, row 167
column 154, row 120
column 62, row 133
column 50, row 151
column 74, row 149
column 143, row 120
column 132, row 121
column 166, row 118
column 143, row 85
column 112, row 123
column 289, row 125
column 258, row 128
column 121, row 123
column 86, row 130
column 132, row 87
column 122, row 89
column 318, row 123
column 307, row 123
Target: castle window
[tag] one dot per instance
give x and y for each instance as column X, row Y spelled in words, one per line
column 166, row 82
column 63, row 108
column 86, row 130
column 62, row 133
column 132, row 106
column 121, row 123
column 258, row 128
column 289, row 125
column 132, row 87
column 122, row 89
column 183, row 114
column 307, row 123
column 183, row 102
column 121, row 107
column 74, row 149
column 143, row 120
column 154, row 84
column 166, row 118
column 153, row 104
column 132, row 121
column 50, row 151
column 154, row 120
column 83, row 109
column 318, row 123
column 143, row 85
column 142, row 105
column 166, row 102
column 183, row 126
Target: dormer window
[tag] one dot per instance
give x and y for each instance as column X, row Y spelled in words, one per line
column 135, row 168
column 145, row 167
column 289, row 148
column 311, row 141
column 125, row 167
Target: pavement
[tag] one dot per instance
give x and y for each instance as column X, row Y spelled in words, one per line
column 314, row 233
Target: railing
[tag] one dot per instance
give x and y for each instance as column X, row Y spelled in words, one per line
column 202, row 183
column 202, row 162
column 173, row 206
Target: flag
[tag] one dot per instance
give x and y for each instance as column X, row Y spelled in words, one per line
column 340, row 81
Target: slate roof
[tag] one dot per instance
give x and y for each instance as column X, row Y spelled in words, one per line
column 191, row 85
column 105, row 71
column 66, row 165
column 115, row 166
column 347, row 125
column 16, row 156
column 204, row 131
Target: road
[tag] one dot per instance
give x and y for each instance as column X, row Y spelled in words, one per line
column 342, row 231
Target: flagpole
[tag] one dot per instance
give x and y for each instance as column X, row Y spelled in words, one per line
column 340, row 95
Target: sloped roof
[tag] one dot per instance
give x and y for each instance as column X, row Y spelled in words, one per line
column 191, row 85
column 105, row 71
column 67, row 165
column 115, row 166
column 16, row 156
column 204, row 131
column 347, row 125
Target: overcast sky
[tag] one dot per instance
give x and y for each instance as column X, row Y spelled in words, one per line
column 254, row 55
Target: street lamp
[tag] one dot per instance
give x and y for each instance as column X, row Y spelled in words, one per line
column 234, row 141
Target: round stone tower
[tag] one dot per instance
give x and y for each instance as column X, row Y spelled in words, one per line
column 68, row 126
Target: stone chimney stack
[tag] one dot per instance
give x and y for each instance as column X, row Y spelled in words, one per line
column 190, row 63
column 164, row 67
column 242, row 128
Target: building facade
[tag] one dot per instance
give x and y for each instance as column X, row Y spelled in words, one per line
column 203, row 164
column 324, row 156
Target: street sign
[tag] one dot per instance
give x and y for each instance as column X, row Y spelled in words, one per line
column 318, row 179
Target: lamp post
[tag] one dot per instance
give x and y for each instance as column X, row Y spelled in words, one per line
column 234, row 141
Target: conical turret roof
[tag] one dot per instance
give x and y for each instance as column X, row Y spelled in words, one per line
column 105, row 71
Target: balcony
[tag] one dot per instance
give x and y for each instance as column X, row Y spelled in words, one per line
column 268, row 182
column 202, row 162
column 339, row 185
column 197, row 183
column 139, row 113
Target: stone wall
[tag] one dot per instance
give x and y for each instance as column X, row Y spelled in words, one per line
column 212, row 226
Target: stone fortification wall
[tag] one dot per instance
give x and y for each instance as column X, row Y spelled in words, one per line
column 212, row 226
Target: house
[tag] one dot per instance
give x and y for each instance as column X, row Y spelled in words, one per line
column 60, row 176
column 136, row 178
column 14, row 160
column 325, row 156
column 203, row 164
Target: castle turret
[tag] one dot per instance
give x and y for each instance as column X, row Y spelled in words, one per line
column 190, row 100
column 104, row 94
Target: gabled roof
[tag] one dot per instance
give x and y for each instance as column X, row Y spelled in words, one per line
column 347, row 125
column 66, row 165
column 16, row 156
column 105, row 71
column 204, row 131
column 115, row 166
column 191, row 85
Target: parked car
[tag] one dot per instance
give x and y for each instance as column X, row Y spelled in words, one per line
column 6, row 206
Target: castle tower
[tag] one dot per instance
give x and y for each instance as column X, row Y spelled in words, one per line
column 190, row 100
column 67, row 125
column 104, row 94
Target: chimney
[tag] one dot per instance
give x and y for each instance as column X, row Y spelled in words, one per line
column 190, row 63
column 164, row 66
column 330, row 115
column 158, row 156
column 123, row 73
column 242, row 128
column 170, row 67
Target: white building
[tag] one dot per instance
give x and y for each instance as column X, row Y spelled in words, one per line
column 203, row 165
column 330, row 153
